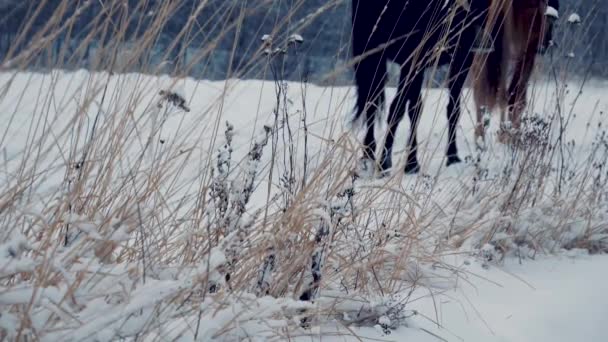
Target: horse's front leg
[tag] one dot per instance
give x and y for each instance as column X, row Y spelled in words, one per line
column 369, row 142
column 414, row 111
column 453, row 111
column 396, row 113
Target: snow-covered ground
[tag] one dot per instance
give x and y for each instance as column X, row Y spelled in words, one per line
column 502, row 212
column 551, row 299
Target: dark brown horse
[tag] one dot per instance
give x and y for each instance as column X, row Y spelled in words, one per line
column 416, row 35
column 521, row 28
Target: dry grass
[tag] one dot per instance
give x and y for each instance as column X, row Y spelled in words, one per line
column 127, row 243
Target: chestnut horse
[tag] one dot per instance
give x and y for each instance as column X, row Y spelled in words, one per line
column 521, row 29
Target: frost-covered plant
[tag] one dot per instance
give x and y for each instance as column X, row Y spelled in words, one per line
column 220, row 186
column 229, row 199
column 331, row 217
column 174, row 99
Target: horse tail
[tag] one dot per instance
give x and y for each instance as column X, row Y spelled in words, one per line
column 370, row 77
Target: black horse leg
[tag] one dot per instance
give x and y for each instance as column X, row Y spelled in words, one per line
column 369, row 143
column 396, row 113
column 370, row 77
column 367, row 163
column 414, row 111
column 456, row 84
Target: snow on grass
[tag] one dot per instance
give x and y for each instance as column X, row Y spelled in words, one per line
column 182, row 209
column 552, row 12
column 574, row 18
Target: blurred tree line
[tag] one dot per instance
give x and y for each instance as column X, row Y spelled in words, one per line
column 215, row 39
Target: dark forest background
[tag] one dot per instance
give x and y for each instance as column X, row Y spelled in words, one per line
column 234, row 49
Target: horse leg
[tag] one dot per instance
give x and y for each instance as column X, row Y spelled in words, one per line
column 396, row 113
column 526, row 56
column 367, row 163
column 518, row 90
column 369, row 143
column 515, row 94
column 370, row 76
column 503, row 136
column 414, row 111
column 456, row 83
column 483, row 121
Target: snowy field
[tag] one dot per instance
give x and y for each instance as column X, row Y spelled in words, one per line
column 128, row 215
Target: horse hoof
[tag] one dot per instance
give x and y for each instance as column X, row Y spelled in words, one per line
column 480, row 144
column 411, row 168
column 384, row 169
column 453, row 160
column 383, row 173
column 365, row 168
column 503, row 137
